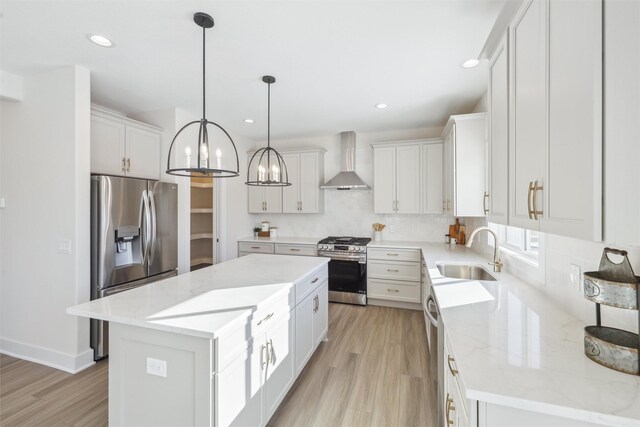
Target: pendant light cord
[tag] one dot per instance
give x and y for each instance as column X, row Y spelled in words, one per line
column 203, row 74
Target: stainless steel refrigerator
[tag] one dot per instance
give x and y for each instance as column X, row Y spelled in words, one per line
column 134, row 240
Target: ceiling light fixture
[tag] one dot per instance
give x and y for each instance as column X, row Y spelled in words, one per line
column 100, row 40
column 470, row 63
column 267, row 164
column 225, row 150
column 249, row 121
column 381, row 106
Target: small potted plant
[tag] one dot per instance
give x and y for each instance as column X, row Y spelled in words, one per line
column 256, row 230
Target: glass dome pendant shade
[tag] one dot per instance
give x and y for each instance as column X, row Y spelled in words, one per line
column 198, row 160
column 267, row 165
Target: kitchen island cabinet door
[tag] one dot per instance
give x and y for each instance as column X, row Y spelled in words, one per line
column 280, row 368
column 238, row 394
column 321, row 314
column 497, row 197
column 304, row 332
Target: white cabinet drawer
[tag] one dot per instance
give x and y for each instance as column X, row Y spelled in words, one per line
column 390, row 290
column 409, row 271
column 307, row 286
column 285, row 249
column 256, row 248
column 393, row 254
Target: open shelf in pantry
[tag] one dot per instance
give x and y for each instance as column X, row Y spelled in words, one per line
column 202, row 234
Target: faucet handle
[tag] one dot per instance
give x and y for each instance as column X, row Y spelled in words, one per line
column 497, row 266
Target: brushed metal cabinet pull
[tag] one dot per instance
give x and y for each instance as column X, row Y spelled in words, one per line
column 391, row 254
column 392, row 290
column 450, row 361
column 529, row 199
column 124, row 164
column 294, row 250
column 269, row 316
column 263, row 356
column 450, row 408
column 393, row 270
column 128, row 164
column 314, row 280
column 484, row 203
column 255, row 247
column 536, row 211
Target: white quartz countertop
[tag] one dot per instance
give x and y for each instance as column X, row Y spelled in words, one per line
column 516, row 347
column 287, row 240
column 204, row 302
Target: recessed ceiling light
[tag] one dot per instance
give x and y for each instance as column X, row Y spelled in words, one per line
column 470, row 63
column 248, row 120
column 381, row 106
column 100, row 40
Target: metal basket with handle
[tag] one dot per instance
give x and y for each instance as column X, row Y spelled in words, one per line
column 615, row 285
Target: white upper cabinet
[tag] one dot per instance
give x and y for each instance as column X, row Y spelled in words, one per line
column 384, row 180
column 496, row 203
column 431, row 169
column 622, row 127
column 125, row 147
column 306, row 174
column 464, row 165
column 305, row 168
column 555, row 145
column 407, row 176
column 407, row 179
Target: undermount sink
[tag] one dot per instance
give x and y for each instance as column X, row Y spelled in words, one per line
column 463, row 271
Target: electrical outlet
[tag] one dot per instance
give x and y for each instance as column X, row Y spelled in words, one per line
column 64, row 246
column 157, row 367
column 575, row 276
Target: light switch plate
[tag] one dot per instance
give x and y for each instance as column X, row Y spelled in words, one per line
column 64, row 246
column 2, row 203
column 574, row 276
column 157, row 367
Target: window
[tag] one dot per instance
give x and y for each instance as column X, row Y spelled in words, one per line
column 518, row 241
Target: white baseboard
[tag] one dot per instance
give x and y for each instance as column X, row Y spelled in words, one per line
column 394, row 304
column 44, row 356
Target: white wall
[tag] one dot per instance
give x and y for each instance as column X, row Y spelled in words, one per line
column 45, row 181
column 351, row 212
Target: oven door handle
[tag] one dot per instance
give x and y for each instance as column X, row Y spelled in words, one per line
column 432, row 319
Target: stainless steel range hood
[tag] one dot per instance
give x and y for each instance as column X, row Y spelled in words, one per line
column 347, row 179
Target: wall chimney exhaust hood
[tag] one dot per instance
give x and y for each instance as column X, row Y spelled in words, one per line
column 347, row 179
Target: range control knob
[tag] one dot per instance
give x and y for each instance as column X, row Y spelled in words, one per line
column 351, row 248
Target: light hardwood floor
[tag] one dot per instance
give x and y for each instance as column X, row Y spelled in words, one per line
column 372, row 371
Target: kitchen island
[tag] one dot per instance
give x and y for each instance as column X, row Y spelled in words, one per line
column 217, row 346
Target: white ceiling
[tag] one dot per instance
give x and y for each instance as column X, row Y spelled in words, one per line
column 333, row 60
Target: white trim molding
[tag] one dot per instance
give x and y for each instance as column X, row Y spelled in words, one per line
column 45, row 356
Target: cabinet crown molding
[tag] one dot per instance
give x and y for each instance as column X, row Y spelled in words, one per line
column 406, row 142
column 460, row 118
column 295, row 150
column 100, row 111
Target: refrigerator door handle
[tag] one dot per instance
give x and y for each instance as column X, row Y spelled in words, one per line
column 145, row 226
column 153, row 235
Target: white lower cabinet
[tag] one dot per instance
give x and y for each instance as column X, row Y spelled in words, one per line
column 238, row 401
column 462, row 412
column 394, row 274
column 311, row 324
column 237, row 379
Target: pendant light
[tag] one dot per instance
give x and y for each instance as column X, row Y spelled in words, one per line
column 267, row 164
column 222, row 146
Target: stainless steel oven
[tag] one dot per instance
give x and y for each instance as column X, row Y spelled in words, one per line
column 347, row 268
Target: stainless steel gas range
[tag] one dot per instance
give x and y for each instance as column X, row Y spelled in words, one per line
column 347, row 268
